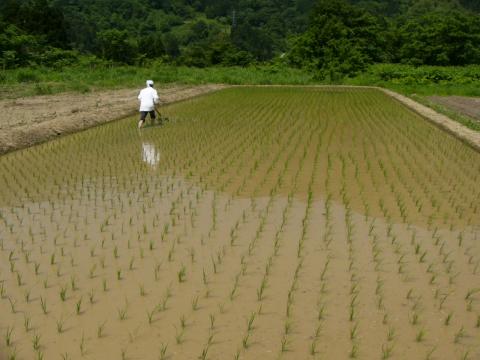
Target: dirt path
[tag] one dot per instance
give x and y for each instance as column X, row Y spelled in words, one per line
column 28, row 121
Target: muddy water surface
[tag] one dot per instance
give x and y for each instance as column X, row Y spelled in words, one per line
column 257, row 223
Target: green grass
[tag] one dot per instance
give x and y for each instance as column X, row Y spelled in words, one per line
column 43, row 81
column 422, row 80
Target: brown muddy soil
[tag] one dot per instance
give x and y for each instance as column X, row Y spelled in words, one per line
column 28, row 121
column 469, row 106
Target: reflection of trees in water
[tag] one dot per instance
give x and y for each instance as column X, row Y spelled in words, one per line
column 150, row 155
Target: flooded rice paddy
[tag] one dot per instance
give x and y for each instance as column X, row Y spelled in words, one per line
column 259, row 223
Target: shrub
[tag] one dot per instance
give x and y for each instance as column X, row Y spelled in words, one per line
column 27, row 76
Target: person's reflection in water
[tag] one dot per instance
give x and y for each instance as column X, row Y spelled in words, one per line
column 150, row 155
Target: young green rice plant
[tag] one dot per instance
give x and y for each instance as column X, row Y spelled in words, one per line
column 470, row 293
column 182, row 273
column 420, row 335
column 122, row 313
column 63, row 293
column 101, row 330
column 261, row 289
column 142, row 290
column 12, row 305
column 36, row 342
column 60, row 324
column 9, row 336
column 387, row 351
column 19, row 279
column 284, row 344
column 163, row 352
column 73, row 283
column 83, row 345
column 150, row 315
column 250, row 321
column 3, row 291
column 448, row 319
column 245, row 341
column 179, row 336
column 183, row 322
column 459, row 335
column 27, row 323
column 353, row 351
column 354, row 331
column 195, row 306
column 212, row 322
column 43, row 304
column 78, row 306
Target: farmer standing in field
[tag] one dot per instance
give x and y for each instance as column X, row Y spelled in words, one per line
column 148, row 98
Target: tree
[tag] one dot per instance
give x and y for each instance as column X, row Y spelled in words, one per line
column 172, row 47
column 341, row 39
column 115, row 45
column 441, row 38
column 16, row 47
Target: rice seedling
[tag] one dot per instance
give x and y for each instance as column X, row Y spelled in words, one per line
column 8, row 336
column 63, row 293
column 27, row 323
column 420, row 335
column 36, row 342
column 122, row 313
column 43, row 304
column 101, row 330
column 459, row 335
column 179, row 336
column 60, row 325
column 12, row 305
column 83, row 346
column 78, row 306
column 182, row 273
column 163, row 352
column 387, row 351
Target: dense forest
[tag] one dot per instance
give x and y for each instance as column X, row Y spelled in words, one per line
column 325, row 36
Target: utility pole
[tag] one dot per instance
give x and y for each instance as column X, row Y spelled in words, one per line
column 234, row 19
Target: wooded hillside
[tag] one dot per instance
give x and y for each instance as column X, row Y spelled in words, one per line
column 317, row 34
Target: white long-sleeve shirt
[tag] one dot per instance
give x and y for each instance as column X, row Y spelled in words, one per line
column 148, row 98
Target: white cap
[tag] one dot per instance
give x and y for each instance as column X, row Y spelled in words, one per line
column 149, row 82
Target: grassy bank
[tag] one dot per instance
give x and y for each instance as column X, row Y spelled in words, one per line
column 422, row 80
column 41, row 81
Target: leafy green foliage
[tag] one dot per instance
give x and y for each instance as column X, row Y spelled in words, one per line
column 333, row 39
column 440, row 38
column 341, row 38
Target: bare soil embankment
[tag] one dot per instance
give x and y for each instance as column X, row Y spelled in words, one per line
column 28, row 121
